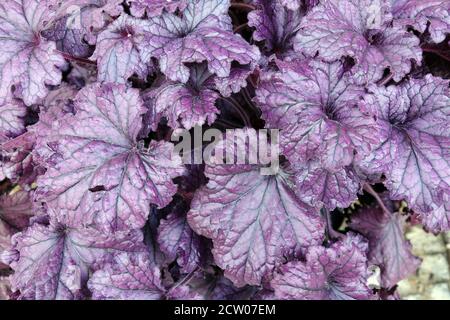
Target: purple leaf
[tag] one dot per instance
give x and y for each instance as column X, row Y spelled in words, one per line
column 235, row 81
column 275, row 25
column 6, row 232
column 154, row 8
column 27, row 61
column 296, row 4
column 16, row 162
column 204, row 33
column 315, row 106
column 182, row 292
column 388, row 247
column 129, row 276
column 252, row 219
column 77, row 22
column 177, row 240
column 335, row 273
column 438, row 220
column 122, row 51
column 12, row 114
column 414, row 152
column 419, row 13
column 5, row 288
column 55, row 106
column 359, row 29
column 103, row 175
column 68, row 40
column 54, row 262
column 185, row 105
column 16, row 209
column 320, row 187
column 216, row 287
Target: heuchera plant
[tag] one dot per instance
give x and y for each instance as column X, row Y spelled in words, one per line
column 95, row 202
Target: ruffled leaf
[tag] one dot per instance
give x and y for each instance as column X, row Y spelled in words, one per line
column 320, row 187
column 122, row 51
column 77, row 23
column 388, row 247
column 16, row 209
column 129, row 276
column 102, row 174
column 27, row 61
column 252, row 219
column 177, row 240
column 335, row 273
column 359, row 29
column 54, row 262
column 275, row 25
column 12, row 124
column 437, row 220
column 154, row 8
column 204, row 33
column 419, row 13
column 16, row 161
column 315, row 106
column 414, row 152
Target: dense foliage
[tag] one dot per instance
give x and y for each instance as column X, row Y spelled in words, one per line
column 95, row 203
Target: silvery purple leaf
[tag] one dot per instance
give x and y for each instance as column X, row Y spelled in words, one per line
column 186, row 105
column 204, row 33
column 68, row 40
column 416, row 132
column 335, row 273
column 12, row 114
column 296, row 4
column 5, row 288
column 102, row 174
column 16, row 208
column 16, row 161
column 252, row 219
column 437, row 220
column 27, row 61
column 419, row 14
column 275, row 25
column 154, row 8
column 76, row 23
column 359, row 29
column 55, row 106
column 321, row 187
column 177, row 240
column 388, row 247
column 122, row 50
column 315, row 106
column 6, row 232
column 182, row 292
column 53, row 261
column 128, row 276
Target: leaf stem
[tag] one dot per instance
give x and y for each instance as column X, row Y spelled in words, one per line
column 239, row 110
column 385, row 81
column 240, row 27
column 249, row 101
column 244, row 6
column 183, row 281
column 440, row 53
column 70, row 57
column 368, row 188
column 331, row 233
